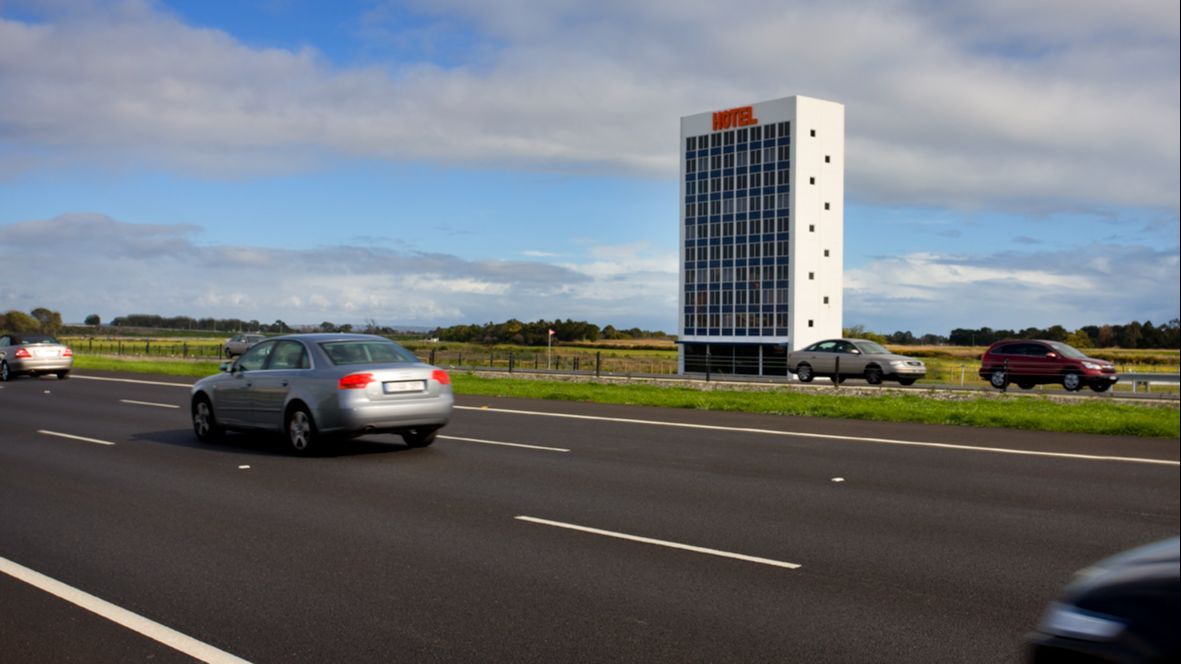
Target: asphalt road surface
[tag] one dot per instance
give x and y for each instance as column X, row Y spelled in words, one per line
column 622, row 534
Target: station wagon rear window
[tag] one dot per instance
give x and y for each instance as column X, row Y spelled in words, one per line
column 366, row 352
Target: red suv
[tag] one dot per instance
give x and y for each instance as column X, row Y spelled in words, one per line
column 1030, row 362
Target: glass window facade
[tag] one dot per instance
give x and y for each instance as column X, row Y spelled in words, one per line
column 737, row 194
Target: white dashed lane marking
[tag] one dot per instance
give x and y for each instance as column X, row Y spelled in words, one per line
column 149, row 403
column 71, row 436
column 664, row 543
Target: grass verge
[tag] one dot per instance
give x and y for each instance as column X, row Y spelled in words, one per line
column 197, row 369
column 1029, row 413
column 1100, row 417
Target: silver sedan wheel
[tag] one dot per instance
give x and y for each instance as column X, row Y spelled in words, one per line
column 300, row 430
column 205, row 424
column 804, row 373
column 202, row 417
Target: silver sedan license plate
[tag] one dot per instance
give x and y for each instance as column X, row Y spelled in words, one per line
column 395, row 387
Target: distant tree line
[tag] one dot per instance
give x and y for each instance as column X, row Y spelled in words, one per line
column 40, row 320
column 1132, row 335
column 513, row 331
column 536, row 333
column 154, row 321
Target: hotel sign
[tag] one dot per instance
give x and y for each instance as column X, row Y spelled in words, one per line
column 743, row 116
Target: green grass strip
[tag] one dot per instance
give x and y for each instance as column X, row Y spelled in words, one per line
column 1029, row 413
column 196, row 369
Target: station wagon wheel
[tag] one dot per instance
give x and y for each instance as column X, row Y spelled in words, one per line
column 5, row 372
column 999, row 379
column 906, row 381
column 804, row 373
column 1025, row 385
column 419, row 437
column 1071, row 381
column 301, row 431
column 873, row 376
column 1100, row 387
column 205, row 424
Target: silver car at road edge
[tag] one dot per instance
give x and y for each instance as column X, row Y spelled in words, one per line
column 240, row 343
column 34, row 354
column 312, row 387
column 854, row 358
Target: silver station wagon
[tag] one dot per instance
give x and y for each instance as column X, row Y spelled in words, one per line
column 313, row 387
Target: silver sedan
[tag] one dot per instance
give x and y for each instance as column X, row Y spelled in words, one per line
column 34, row 354
column 316, row 386
column 240, row 343
column 854, row 358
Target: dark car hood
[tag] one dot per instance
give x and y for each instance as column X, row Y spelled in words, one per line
column 1154, row 565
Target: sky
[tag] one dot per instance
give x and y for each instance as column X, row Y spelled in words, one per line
column 438, row 162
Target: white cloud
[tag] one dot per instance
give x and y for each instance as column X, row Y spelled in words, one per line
column 1002, row 104
column 1071, row 286
column 103, row 270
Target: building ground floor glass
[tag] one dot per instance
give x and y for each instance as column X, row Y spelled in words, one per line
column 749, row 359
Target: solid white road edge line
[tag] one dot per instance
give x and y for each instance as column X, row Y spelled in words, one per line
column 824, row 436
column 493, row 442
column 671, row 545
column 73, row 437
column 131, row 380
column 149, row 403
column 135, row 622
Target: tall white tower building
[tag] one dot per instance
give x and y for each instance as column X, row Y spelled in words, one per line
column 762, row 228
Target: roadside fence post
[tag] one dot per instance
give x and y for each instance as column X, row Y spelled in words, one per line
column 185, row 350
column 432, row 361
column 963, row 373
column 836, row 377
column 511, row 361
column 598, row 363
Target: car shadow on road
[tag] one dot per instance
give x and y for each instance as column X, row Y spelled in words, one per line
column 264, row 444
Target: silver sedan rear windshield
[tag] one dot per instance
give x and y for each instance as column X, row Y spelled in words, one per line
column 36, row 339
column 366, row 352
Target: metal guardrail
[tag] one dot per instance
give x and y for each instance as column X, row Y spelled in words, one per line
column 1146, row 380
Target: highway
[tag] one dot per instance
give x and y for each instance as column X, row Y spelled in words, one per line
column 545, row 531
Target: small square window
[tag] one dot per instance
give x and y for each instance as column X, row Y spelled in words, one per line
column 811, row 228
column 809, row 323
column 826, row 299
column 826, row 253
column 812, row 133
column 811, row 180
column 827, row 206
column 811, row 276
column 827, row 159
